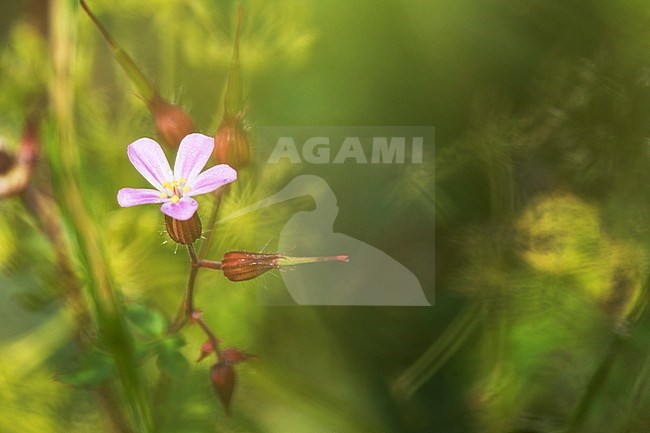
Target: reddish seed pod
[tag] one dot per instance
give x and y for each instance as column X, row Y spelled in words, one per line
column 242, row 265
column 222, row 376
column 184, row 232
column 234, row 356
column 172, row 122
column 231, row 144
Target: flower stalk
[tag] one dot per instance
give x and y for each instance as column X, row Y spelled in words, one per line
column 145, row 85
column 234, row 93
column 212, row 339
column 232, row 145
column 172, row 122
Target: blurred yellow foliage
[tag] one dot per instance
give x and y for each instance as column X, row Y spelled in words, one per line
column 561, row 234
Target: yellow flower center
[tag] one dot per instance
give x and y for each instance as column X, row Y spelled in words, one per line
column 174, row 190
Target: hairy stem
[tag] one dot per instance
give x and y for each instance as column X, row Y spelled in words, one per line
column 191, row 280
column 210, row 264
column 214, row 341
column 144, row 85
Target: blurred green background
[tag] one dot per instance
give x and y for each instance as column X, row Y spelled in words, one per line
column 527, row 224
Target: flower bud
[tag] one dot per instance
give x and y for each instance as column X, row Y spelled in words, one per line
column 234, row 356
column 184, row 232
column 222, row 376
column 243, row 265
column 172, row 123
column 206, row 349
column 231, row 144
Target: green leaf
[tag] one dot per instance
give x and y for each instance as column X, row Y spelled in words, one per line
column 170, row 358
column 147, row 322
column 94, row 368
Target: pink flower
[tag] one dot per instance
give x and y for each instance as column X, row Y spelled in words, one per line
column 175, row 189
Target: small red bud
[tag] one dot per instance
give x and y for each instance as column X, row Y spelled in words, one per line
column 184, row 232
column 222, row 376
column 172, row 122
column 234, row 356
column 231, row 144
column 196, row 315
column 206, row 349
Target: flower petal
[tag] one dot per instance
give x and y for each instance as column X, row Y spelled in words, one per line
column 212, row 179
column 148, row 158
column 193, row 154
column 133, row 196
column 183, row 210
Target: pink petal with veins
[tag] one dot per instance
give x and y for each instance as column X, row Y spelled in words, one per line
column 193, row 153
column 183, row 210
column 148, row 158
column 133, row 196
column 212, row 179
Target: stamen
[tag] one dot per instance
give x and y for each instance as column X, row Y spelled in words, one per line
column 174, row 189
